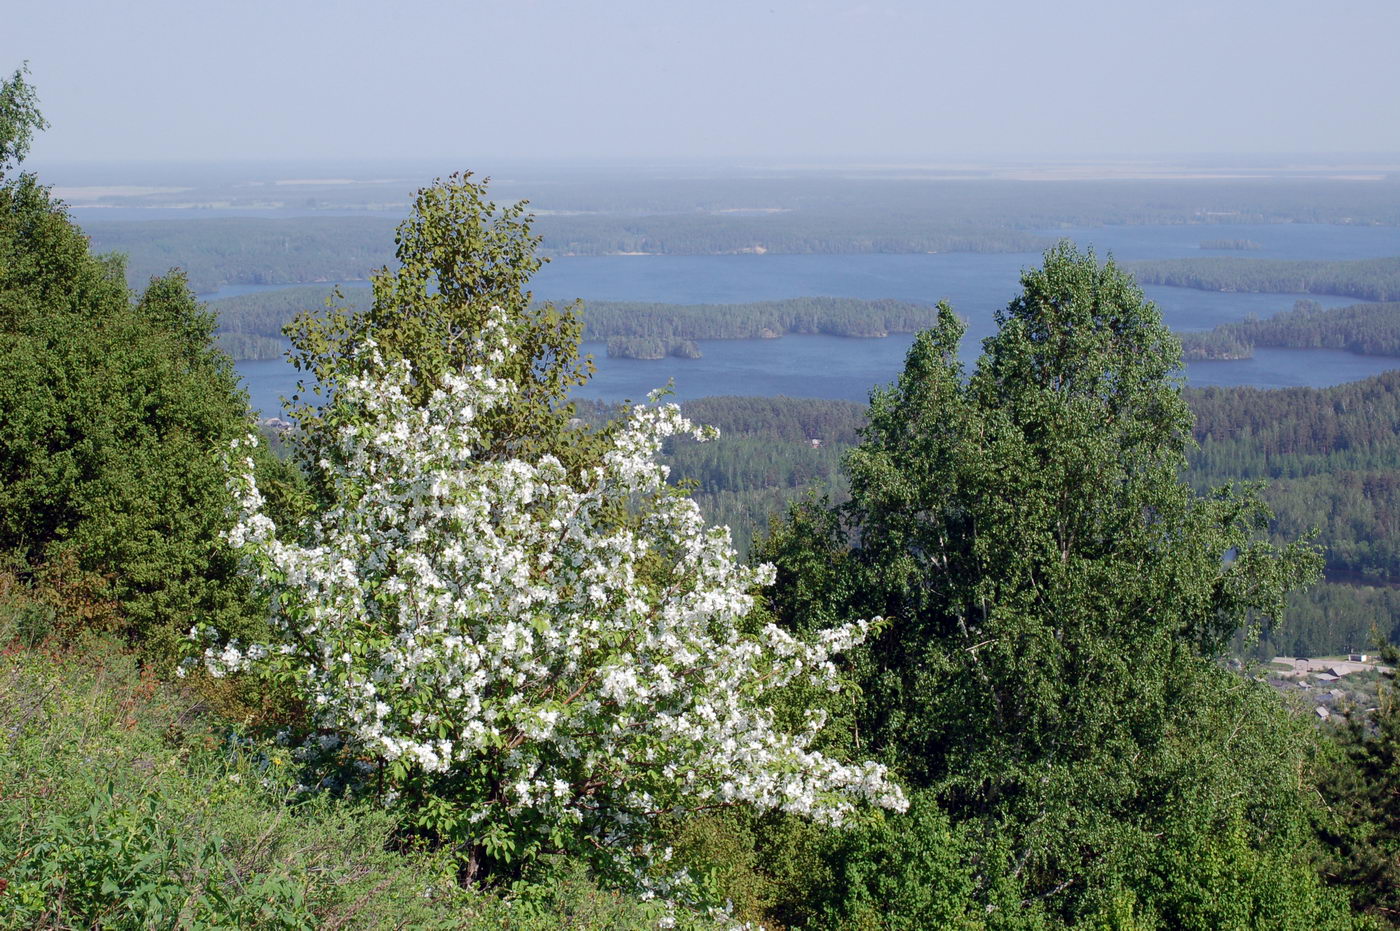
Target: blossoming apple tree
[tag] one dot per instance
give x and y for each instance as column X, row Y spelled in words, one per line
column 529, row 657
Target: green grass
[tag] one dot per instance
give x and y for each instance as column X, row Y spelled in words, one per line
column 126, row 803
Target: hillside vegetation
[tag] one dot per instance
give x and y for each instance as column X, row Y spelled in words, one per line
column 468, row 658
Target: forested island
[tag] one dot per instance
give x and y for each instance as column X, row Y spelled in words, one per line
column 1368, row 279
column 1226, row 245
column 832, row 316
column 1368, row 329
column 250, row 326
column 651, row 347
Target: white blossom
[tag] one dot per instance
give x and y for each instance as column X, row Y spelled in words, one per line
column 450, row 608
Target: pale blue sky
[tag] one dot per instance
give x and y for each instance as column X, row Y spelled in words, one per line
column 642, row 79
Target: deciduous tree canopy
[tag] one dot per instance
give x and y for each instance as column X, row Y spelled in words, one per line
column 1058, row 596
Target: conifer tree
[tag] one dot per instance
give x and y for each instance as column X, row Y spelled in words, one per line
column 112, row 409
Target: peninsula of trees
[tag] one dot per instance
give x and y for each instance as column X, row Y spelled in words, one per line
column 1368, row 329
column 1368, row 279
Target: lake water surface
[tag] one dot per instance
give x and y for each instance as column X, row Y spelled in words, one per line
column 976, row 284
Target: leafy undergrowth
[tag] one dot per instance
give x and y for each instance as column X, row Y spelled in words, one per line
column 126, row 803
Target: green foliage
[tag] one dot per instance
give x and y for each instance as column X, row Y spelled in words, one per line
column 19, row 119
column 122, row 809
column 1360, row 789
column 1058, row 595
column 458, row 257
column 113, row 410
column 897, row 872
column 124, row 804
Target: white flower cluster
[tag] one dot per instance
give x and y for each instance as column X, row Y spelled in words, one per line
column 577, row 637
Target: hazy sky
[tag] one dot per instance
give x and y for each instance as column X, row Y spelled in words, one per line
column 639, row 79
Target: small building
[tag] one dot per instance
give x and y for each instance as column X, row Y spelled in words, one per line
column 1358, row 657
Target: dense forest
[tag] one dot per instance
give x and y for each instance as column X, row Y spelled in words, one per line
column 1327, row 455
column 770, row 453
column 1329, row 458
column 218, row 251
column 1369, row 329
column 467, row 657
column 1369, row 279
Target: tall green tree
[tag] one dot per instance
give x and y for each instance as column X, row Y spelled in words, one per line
column 1058, row 596
column 113, row 410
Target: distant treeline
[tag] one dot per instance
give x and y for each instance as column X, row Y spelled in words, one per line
column 651, row 347
column 780, row 231
column 242, row 250
column 1328, row 454
column 1368, row 279
column 1370, row 329
column 1330, row 458
column 1241, row 245
column 250, row 326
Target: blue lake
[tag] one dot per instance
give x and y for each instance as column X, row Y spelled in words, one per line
column 976, row 284
column 833, row 367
